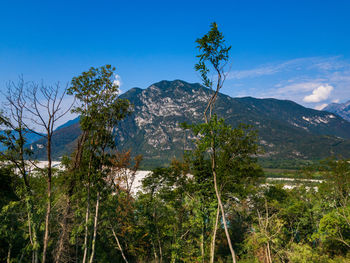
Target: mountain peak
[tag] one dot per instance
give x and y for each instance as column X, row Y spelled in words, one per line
column 169, row 83
column 173, row 84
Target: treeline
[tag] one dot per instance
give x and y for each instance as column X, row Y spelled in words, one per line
column 292, row 164
column 174, row 217
column 211, row 206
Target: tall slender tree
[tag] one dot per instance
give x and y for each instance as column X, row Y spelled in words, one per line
column 34, row 109
column 14, row 139
column 214, row 56
column 100, row 110
column 46, row 107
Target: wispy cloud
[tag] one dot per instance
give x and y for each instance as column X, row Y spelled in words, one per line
column 308, row 81
column 298, row 87
column 252, row 73
column 291, row 65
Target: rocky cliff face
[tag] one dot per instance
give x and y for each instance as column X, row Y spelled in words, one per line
column 154, row 128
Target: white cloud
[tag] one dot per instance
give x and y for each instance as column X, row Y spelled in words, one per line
column 321, row 107
column 319, row 94
column 335, row 101
column 117, row 80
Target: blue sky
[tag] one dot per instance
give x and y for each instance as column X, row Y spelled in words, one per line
column 297, row 50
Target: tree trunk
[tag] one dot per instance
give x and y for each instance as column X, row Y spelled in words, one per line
column 212, row 246
column 119, row 246
column 160, row 251
column 155, row 253
column 202, row 246
column 95, row 229
column 48, row 211
column 64, row 237
column 8, row 260
column 32, row 227
column 159, row 245
column 269, row 253
column 202, row 237
column 36, row 256
column 213, row 165
column 87, row 215
column 47, row 220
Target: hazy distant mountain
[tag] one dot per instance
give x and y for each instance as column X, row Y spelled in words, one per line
column 286, row 129
column 30, row 138
column 69, row 123
column 342, row 109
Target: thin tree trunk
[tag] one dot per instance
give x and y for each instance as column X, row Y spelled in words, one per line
column 202, row 245
column 21, row 258
column 8, row 260
column 48, row 211
column 159, row 245
column 47, row 220
column 32, row 228
column 36, row 256
column 87, row 215
column 210, row 107
column 29, row 204
column 269, row 253
column 119, row 246
column 222, row 207
column 160, row 251
column 64, row 234
column 212, row 246
column 29, row 227
column 64, row 237
column 95, row 229
column 155, row 253
column 202, row 236
column 35, row 241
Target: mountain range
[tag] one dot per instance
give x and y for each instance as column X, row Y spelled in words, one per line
column 31, row 137
column 342, row 109
column 286, row 129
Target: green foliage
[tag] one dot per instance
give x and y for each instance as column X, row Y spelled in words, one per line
column 334, row 230
column 235, row 154
column 175, row 212
column 213, row 50
column 304, row 253
column 100, row 107
column 337, row 180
